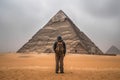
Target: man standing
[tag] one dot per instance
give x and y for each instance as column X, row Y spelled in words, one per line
column 59, row 48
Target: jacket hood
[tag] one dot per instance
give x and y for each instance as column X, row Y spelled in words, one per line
column 59, row 38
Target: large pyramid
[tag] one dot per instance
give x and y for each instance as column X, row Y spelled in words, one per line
column 113, row 50
column 60, row 24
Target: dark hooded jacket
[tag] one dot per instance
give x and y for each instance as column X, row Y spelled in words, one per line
column 59, row 38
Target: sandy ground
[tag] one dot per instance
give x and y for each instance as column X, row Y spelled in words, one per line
column 15, row 66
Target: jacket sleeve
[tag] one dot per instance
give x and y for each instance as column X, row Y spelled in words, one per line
column 54, row 46
column 64, row 47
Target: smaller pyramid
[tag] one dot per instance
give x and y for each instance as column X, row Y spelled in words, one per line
column 113, row 50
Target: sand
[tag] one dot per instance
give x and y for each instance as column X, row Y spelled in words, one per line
column 15, row 66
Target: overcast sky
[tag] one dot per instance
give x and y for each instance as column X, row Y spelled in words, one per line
column 21, row 19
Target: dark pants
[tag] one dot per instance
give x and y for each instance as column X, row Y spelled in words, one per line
column 59, row 62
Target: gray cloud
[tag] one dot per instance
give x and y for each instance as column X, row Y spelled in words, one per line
column 21, row 19
column 103, row 8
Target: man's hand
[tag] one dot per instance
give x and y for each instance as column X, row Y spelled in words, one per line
column 64, row 55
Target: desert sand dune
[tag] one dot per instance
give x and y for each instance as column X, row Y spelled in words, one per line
column 41, row 67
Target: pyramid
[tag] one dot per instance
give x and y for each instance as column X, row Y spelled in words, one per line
column 113, row 50
column 60, row 24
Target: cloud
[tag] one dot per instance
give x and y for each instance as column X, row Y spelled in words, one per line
column 103, row 8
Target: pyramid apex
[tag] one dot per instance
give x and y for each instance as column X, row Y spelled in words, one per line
column 61, row 11
column 112, row 46
column 60, row 16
